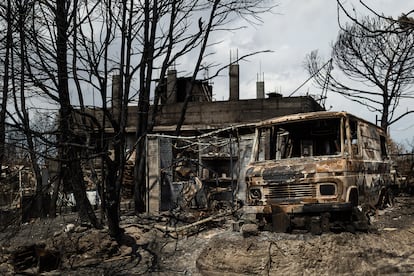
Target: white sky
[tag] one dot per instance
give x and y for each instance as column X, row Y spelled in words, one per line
column 295, row 29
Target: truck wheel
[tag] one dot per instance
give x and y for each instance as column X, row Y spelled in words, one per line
column 353, row 197
column 280, row 223
column 280, row 220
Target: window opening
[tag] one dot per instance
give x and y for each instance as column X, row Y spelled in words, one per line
column 300, row 139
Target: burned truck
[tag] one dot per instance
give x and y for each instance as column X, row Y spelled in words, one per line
column 316, row 165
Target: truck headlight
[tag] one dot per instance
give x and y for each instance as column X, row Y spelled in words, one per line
column 255, row 193
column 327, row 189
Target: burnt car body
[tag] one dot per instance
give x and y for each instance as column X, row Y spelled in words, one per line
column 316, row 162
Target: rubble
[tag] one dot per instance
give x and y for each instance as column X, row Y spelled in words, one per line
column 209, row 244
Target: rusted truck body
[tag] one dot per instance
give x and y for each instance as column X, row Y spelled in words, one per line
column 316, row 163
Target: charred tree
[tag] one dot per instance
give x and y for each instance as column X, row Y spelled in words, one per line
column 69, row 154
column 23, row 114
column 6, row 77
column 379, row 67
column 143, row 104
column 203, row 47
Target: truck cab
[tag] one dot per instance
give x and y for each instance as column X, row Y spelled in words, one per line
column 316, row 163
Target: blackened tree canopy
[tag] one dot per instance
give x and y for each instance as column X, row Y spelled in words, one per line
column 379, row 67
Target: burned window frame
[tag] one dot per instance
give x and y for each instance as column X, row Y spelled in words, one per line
column 353, row 138
column 297, row 145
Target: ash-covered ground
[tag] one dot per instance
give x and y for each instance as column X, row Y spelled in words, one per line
column 63, row 247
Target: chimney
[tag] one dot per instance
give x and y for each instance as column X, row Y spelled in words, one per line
column 260, row 87
column 234, row 79
column 116, row 95
column 171, row 86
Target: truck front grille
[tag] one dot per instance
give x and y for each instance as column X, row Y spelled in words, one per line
column 289, row 191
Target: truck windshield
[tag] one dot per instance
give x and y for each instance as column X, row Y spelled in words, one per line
column 300, row 139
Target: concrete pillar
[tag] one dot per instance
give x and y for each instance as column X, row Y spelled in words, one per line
column 260, row 88
column 234, row 82
column 153, row 196
column 171, row 86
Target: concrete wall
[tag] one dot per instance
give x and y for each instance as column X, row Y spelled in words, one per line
column 226, row 113
column 208, row 115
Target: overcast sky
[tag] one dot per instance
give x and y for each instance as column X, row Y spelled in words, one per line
column 296, row 28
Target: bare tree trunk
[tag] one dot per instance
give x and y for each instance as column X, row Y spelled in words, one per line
column 197, row 67
column 115, row 168
column 146, row 68
column 165, row 65
column 112, row 200
column 140, row 178
column 24, row 115
column 5, row 89
column 70, row 156
column 385, row 111
column 55, row 194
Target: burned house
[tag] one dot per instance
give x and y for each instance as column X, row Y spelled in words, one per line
column 214, row 145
